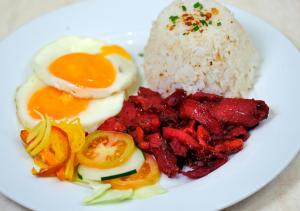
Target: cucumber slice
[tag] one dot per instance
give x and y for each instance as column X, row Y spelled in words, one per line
column 130, row 167
column 99, row 190
column 119, row 175
column 112, row 196
column 148, row 191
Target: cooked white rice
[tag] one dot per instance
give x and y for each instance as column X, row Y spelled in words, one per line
column 219, row 60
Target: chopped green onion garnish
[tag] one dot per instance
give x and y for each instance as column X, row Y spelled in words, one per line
column 196, row 28
column 219, row 24
column 198, row 5
column 141, row 54
column 204, row 22
column 173, row 19
column 209, row 22
column 183, row 8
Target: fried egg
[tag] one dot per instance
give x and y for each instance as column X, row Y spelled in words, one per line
column 84, row 67
column 34, row 95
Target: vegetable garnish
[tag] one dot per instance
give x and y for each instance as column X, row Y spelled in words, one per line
column 196, row 20
column 131, row 166
column 99, row 190
column 111, row 195
column 57, row 149
column 53, row 146
column 53, row 157
column 203, row 22
column 214, row 11
column 196, row 28
column 38, row 137
column 148, row 191
column 102, row 193
column 148, row 174
column 104, row 149
column 173, row 19
column 198, row 5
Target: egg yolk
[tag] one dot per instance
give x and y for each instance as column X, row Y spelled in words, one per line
column 88, row 70
column 115, row 49
column 84, row 70
column 55, row 103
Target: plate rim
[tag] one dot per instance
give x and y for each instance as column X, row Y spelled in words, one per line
column 230, row 6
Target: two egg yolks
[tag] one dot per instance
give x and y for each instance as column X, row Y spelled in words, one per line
column 81, row 69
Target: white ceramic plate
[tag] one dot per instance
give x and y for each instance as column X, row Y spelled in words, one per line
column 268, row 151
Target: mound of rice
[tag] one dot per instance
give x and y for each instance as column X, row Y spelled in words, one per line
column 214, row 56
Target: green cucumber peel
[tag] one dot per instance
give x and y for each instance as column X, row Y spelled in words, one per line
column 79, row 175
column 119, row 175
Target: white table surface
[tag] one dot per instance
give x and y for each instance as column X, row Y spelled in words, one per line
column 283, row 193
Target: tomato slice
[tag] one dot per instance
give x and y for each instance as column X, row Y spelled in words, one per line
column 148, row 174
column 55, row 156
column 106, row 149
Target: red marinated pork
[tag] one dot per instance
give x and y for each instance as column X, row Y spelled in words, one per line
column 155, row 140
column 148, row 122
column 179, row 135
column 202, row 170
column 199, row 130
column 200, row 112
column 178, row 149
column 148, row 100
column 229, row 147
column 113, row 124
column 169, row 117
column 176, row 98
column 202, row 96
column 237, row 132
column 167, row 161
column 240, row 112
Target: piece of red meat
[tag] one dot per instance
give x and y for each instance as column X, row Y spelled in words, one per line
column 237, row 133
column 155, row 140
column 202, row 170
column 148, row 122
column 148, row 93
column 200, row 112
column 240, row 112
column 139, row 138
column 184, row 138
column 166, row 160
column 178, row 149
column 202, row 96
column 229, row 147
column 175, row 98
column 169, row 117
column 128, row 114
column 203, row 136
column 113, row 124
column 190, row 128
column 148, row 100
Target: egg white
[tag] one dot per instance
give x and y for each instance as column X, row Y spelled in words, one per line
column 126, row 69
column 97, row 112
